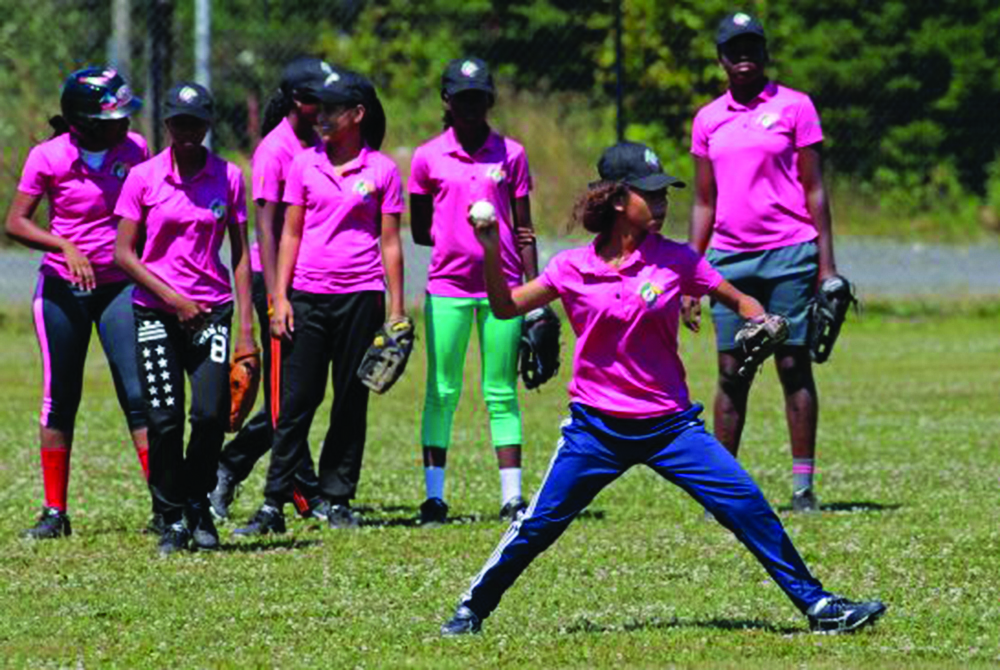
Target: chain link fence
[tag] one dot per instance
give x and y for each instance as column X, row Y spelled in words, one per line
column 908, row 122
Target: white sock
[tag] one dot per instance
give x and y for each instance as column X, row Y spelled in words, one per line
column 510, row 484
column 434, row 481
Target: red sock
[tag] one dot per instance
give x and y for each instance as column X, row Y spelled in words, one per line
column 55, row 475
column 143, row 454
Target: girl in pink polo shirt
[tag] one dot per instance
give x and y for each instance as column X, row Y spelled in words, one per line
column 289, row 129
column 80, row 172
column 339, row 251
column 470, row 162
column 629, row 402
column 182, row 203
column 761, row 212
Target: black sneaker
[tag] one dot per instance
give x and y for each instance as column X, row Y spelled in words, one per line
column 433, row 512
column 318, row 509
column 175, row 538
column 464, row 622
column 51, row 524
column 266, row 520
column 804, row 500
column 156, row 525
column 341, row 516
column 222, row 496
column 203, row 533
column 836, row 614
column 512, row 509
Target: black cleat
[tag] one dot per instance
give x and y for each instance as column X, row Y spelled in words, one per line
column 175, row 538
column 266, row 520
column 464, row 622
column 341, row 516
column 513, row 509
column 156, row 525
column 836, row 614
column 433, row 512
column 804, row 501
column 204, row 536
column 318, row 509
column 51, row 524
column 222, row 496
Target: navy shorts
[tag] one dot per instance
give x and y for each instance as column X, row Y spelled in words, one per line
column 783, row 280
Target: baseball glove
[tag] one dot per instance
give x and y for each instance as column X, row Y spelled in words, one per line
column 826, row 315
column 538, row 352
column 758, row 339
column 386, row 358
column 244, row 381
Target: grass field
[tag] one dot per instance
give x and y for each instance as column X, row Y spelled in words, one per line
column 909, row 478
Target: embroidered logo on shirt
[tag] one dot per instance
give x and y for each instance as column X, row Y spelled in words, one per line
column 119, row 170
column 767, row 119
column 741, row 19
column 496, row 173
column 363, row 188
column 469, row 69
column 218, row 208
column 652, row 160
column 650, row 293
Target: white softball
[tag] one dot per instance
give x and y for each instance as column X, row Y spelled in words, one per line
column 482, row 212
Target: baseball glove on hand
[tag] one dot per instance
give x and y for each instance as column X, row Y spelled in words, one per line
column 826, row 315
column 758, row 340
column 386, row 358
column 538, row 353
column 244, row 381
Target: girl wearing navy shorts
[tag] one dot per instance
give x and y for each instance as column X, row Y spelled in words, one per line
column 289, row 129
column 761, row 212
column 629, row 401
column 182, row 203
column 80, row 172
column 470, row 162
column 339, row 250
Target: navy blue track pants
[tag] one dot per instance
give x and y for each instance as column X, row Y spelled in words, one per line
column 596, row 449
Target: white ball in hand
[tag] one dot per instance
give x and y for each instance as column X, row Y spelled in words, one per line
column 482, row 213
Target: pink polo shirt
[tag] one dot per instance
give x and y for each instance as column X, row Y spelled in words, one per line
column 498, row 173
column 270, row 165
column 761, row 203
column 82, row 200
column 339, row 251
column 626, row 362
column 185, row 222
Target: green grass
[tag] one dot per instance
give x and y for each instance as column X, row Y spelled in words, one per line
column 909, row 472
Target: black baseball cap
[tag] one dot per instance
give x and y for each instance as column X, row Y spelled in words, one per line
column 736, row 24
column 635, row 165
column 189, row 99
column 467, row 74
column 303, row 74
column 341, row 87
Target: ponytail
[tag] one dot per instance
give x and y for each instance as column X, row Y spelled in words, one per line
column 278, row 107
column 373, row 123
column 595, row 210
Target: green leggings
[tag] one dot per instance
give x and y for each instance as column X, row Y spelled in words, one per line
column 449, row 325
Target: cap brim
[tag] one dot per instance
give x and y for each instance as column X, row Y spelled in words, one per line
column 197, row 113
column 457, row 88
column 655, row 182
column 731, row 35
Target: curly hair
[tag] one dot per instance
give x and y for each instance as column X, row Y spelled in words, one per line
column 595, row 208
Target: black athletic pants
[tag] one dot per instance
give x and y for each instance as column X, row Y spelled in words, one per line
column 165, row 352
column 254, row 439
column 330, row 329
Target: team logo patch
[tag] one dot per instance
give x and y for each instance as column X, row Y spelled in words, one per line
column 767, row 119
column 496, row 173
column 331, row 79
column 120, row 170
column 652, row 160
column 650, row 293
column 363, row 188
column 187, row 94
column 101, row 79
column 469, row 69
column 741, row 19
column 325, row 67
column 218, row 209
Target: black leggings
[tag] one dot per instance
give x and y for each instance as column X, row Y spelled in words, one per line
column 64, row 319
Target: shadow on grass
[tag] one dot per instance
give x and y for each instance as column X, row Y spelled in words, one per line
column 412, row 517
column 661, row 624
column 849, row 507
column 263, row 546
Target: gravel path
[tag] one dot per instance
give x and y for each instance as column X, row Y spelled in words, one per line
column 879, row 268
